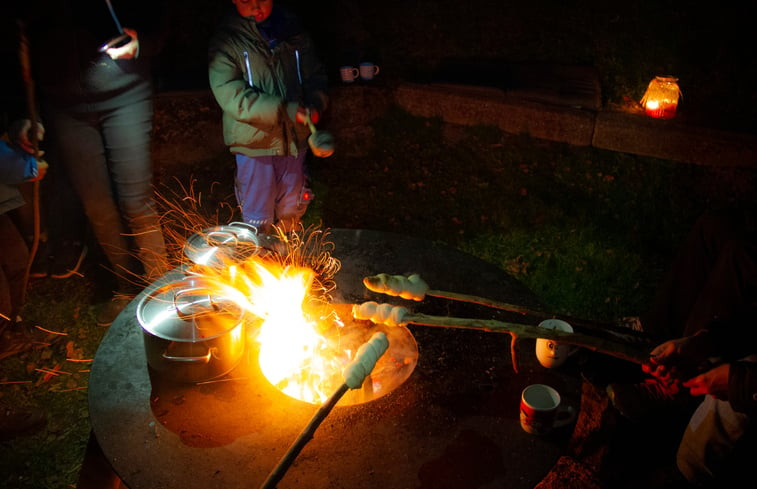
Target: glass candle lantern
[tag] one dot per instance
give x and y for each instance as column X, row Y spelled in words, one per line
column 661, row 98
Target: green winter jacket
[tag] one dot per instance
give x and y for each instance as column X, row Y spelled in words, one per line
column 259, row 89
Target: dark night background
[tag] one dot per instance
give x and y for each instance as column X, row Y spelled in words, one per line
column 709, row 48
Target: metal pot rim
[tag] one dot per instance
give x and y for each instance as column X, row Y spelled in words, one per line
column 160, row 315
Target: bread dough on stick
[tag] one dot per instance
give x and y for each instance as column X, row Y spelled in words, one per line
column 411, row 288
column 365, row 360
column 380, row 313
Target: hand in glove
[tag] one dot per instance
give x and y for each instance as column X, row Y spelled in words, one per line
column 20, row 134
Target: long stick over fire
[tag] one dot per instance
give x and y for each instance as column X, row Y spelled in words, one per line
column 354, row 376
column 31, row 103
column 400, row 316
column 413, row 287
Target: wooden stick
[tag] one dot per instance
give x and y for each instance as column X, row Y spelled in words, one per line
column 573, row 321
column 399, row 316
column 415, row 288
column 32, row 109
column 305, row 436
column 355, row 375
column 517, row 331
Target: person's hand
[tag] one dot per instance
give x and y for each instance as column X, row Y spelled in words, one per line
column 713, row 382
column 21, row 132
column 302, row 111
column 677, row 359
column 41, row 170
column 129, row 50
column 663, row 359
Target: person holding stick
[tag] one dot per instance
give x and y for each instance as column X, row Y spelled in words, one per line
column 708, row 370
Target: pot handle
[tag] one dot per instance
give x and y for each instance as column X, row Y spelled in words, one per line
column 183, row 315
column 240, row 224
column 243, row 228
column 203, row 359
column 225, row 238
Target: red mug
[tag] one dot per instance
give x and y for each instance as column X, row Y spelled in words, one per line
column 541, row 412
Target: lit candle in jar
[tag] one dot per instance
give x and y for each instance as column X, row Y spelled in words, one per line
column 661, row 98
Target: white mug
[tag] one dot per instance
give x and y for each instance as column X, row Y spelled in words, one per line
column 550, row 353
column 368, row 70
column 349, row 73
column 540, row 410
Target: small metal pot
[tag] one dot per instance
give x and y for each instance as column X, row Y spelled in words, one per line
column 221, row 246
column 193, row 330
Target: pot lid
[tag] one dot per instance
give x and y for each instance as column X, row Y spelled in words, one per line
column 191, row 310
column 221, row 245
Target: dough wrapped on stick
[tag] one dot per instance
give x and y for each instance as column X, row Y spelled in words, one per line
column 412, row 287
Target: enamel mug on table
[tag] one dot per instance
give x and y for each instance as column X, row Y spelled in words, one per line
column 550, row 353
column 541, row 411
column 368, row 70
column 349, row 74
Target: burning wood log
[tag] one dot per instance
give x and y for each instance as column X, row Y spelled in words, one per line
column 400, row 316
column 413, row 287
column 354, row 375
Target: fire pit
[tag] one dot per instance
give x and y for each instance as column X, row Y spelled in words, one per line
column 452, row 422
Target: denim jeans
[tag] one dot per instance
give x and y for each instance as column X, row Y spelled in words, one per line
column 107, row 156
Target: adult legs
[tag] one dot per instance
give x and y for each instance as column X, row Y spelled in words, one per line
column 83, row 153
column 63, row 221
column 126, row 132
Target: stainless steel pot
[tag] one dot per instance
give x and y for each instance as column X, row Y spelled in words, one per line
column 193, row 329
column 221, row 246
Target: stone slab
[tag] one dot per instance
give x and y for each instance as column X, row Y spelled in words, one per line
column 671, row 140
column 460, row 104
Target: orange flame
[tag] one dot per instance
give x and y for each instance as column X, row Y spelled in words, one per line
column 294, row 355
column 299, row 349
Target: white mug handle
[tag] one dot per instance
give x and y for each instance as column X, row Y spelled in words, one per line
column 375, row 69
column 355, row 73
column 565, row 415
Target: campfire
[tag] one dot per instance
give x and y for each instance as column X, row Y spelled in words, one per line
column 284, row 283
